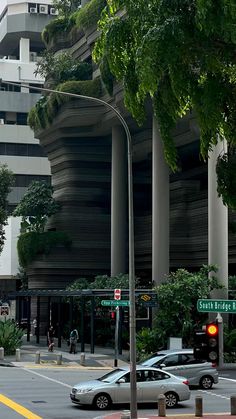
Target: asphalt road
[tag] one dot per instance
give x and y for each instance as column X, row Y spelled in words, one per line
column 44, row 393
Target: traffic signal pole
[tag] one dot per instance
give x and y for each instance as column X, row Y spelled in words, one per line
column 221, row 339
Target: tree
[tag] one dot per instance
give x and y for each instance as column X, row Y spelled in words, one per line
column 62, row 67
column 6, row 181
column 179, row 53
column 36, row 206
column 177, row 302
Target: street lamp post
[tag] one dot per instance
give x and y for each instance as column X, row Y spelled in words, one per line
column 132, row 315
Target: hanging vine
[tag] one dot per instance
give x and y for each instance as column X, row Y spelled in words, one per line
column 179, row 53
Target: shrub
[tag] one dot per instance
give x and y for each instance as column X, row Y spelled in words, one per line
column 10, row 336
column 146, row 343
column 43, row 113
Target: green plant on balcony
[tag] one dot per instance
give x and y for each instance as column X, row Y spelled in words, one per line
column 90, row 13
column 62, row 67
column 32, row 244
column 59, row 26
column 47, row 108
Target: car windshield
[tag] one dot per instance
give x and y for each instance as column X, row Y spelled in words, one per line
column 156, row 356
column 111, row 376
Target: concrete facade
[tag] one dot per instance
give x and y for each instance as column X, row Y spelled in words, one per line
column 20, row 46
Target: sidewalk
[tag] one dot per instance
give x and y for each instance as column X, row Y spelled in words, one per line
column 103, row 358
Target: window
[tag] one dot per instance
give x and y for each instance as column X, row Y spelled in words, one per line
column 187, row 359
column 21, row 118
column 171, row 360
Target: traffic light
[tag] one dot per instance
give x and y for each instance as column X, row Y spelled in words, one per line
column 200, row 345
column 206, row 343
column 212, row 335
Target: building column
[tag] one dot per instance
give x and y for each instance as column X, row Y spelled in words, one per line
column 160, row 208
column 24, row 50
column 118, row 201
column 217, row 224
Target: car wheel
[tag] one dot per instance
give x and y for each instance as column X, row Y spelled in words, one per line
column 206, row 382
column 171, row 399
column 102, row 401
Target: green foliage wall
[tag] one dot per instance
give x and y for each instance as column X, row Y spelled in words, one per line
column 32, row 244
column 47, row 108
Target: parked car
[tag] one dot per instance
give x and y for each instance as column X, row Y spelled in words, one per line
column 114, row 387
column 182, row 363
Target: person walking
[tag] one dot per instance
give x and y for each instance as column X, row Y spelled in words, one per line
column 74, row 336
column 50, row 338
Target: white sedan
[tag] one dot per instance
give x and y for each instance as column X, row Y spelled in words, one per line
column 114, row 387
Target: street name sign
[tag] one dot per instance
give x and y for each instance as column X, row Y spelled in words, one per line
column 115, row 303
column 216, row 306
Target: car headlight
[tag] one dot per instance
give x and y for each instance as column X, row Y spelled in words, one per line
column 84, row 390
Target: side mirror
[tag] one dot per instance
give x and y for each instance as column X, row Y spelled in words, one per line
column 162, row 365
column 121, row 381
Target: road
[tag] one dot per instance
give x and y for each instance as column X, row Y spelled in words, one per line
column 44, row 393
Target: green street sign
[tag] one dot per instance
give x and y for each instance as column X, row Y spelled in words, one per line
column 216, row 306
column 115, row 303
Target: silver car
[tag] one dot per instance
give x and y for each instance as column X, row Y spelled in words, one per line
column 182, row 363
column 114, row 387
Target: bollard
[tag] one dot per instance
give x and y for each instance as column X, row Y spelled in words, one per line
column 233, row 404
column 82, row 358
column 37, row 357
column 17, row 355
column 161, row 405
column 59, row 359
column 198, row 406
column 125, row 415
column 1, row 353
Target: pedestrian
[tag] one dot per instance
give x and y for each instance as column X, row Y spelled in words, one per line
column 50, row 338
column 74, row 336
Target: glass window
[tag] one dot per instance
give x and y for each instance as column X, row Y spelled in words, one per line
column 187, row 359
column 171, row 360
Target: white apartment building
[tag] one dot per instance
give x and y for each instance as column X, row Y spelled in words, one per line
column 21, row 24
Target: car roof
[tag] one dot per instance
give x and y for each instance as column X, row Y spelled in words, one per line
column 139, row 368
column 174, row 351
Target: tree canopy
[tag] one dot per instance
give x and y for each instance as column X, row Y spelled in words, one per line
column 179, row 53
column 177, row 299
column 36, row 206
column 6, row 181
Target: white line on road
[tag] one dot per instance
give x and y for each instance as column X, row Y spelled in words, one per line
column 47, row 378
column 229, row 379
column 214, row 394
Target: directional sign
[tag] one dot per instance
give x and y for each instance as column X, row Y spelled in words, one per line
column 148, row 300
column 115, row 303
column 216, row 306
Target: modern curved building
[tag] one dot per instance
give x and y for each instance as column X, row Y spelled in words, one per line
column 179, row 220
column 21, row 24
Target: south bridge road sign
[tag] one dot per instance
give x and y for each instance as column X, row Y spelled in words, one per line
column 216, row 306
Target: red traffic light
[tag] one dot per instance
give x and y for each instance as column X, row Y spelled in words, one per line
column 212, row 329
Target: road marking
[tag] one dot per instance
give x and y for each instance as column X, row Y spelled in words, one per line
column 18, row 408
column 47, row 378
column 229, row 379
column 214, row 394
